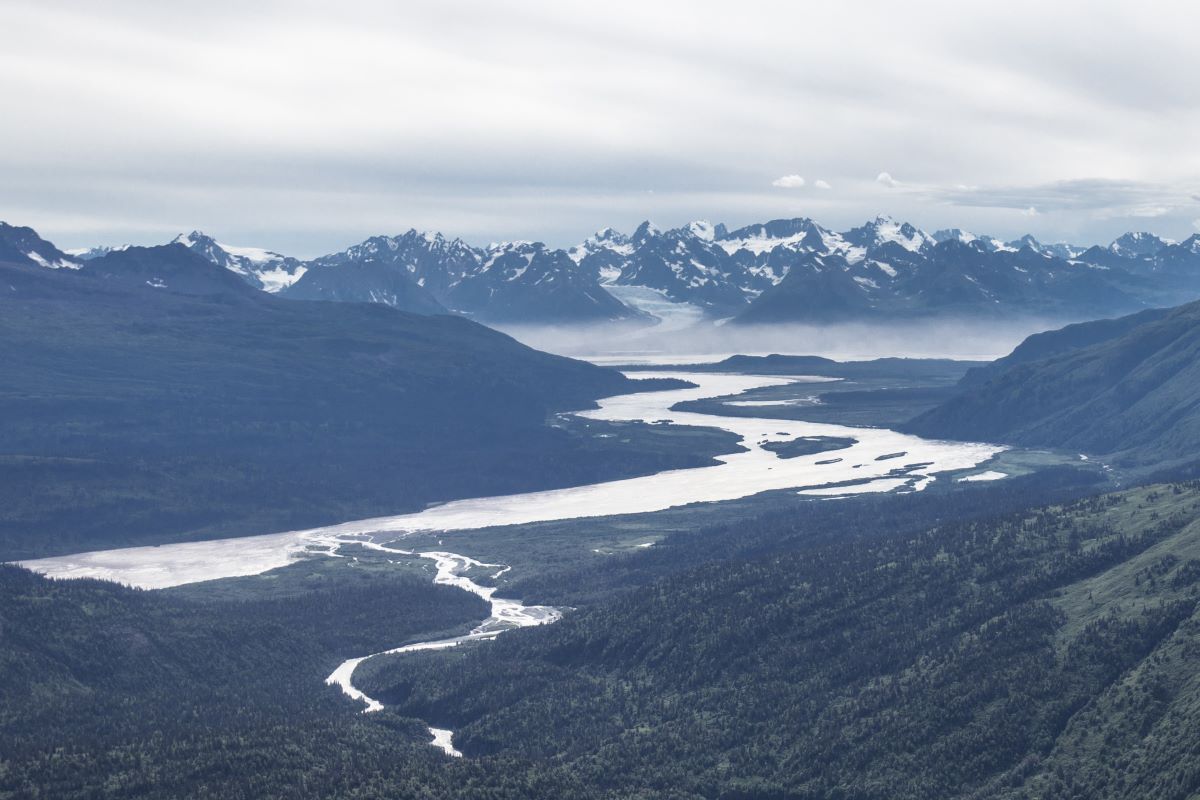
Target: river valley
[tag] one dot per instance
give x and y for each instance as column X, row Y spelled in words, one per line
column 866, row 460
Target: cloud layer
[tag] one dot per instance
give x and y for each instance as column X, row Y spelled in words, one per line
column 302, row 129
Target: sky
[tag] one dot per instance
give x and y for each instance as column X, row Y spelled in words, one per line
column 307, row 126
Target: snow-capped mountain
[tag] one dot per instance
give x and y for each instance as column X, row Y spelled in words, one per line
column 882, row 232
column 766, row 252
column 511, row 282
column 959, row 275
column 431, row 260
column 687, row 265
column 88, row 253
column 1138, row 244
column 603, row 254
column 529, row 282
column 776, row 271
column 412, row 272
column 783, row 270
column 23, row 246
column 173, row 268
column 261, row 268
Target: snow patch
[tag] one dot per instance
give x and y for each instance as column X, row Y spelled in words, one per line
column 990, row 475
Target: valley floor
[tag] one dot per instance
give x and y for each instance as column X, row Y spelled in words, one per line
column 720, row 648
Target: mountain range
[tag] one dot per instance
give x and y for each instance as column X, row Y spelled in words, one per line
column 782, row 271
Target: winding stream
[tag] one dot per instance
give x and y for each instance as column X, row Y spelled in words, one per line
column 505, row 616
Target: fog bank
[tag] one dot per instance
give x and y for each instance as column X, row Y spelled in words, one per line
column 623, row 343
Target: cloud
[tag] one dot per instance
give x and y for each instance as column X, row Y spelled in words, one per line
column 1196, row 224
column 1097, row 195
column 565, row 153
column 1030, row 212
column 789, row 182
column 822, row 185
column 886, row 179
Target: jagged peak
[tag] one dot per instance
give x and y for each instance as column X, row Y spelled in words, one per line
column 196, row 237
column 1138, row 243
column 957, row 234
column 516, row 246
column 884, row 228
column 646, row 230
column 608, row 234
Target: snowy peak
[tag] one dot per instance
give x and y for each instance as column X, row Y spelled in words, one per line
column 194, row 239
column 88, row 253
column 503, row 255
column 529, row 262
column 407, row 246
column 261, row 268
column 647, row 230
column 800, row 232
column 610, row 244
column 609, row 236
column 1137, row 244
column 1056, row 250
column 20, row 245
column 173, row 267
column 702, row 229
column 884, row 230
column 794, row 267
column 686, row 265
column 957, row 234
column 524, row 281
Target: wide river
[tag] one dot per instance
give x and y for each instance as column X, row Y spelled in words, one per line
column 851, row 470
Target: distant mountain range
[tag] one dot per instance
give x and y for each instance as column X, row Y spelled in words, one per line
column 788, row 270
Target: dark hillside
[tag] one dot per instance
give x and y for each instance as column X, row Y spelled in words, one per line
column 152, row 396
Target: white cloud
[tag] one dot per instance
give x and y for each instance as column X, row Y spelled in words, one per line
column 887, row 180
column 788, row 182
column 1029, row 212
column 822, row 185
column 1196, row 224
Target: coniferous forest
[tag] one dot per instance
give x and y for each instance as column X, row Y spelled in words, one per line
column 967, row 649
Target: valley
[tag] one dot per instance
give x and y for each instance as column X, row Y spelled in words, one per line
column 772, row 467
column 600, row 401
column 864, row 467
column 800, row 479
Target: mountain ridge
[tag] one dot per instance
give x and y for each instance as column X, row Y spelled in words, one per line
column 779, row 271
column 1123, row 389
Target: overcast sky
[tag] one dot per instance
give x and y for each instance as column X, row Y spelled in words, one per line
column 305, row 127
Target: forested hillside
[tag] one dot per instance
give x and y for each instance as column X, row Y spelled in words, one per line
column 115, row 692
column 1125, row 388
column 1045, row 653
column 152, row 396
column 945, row 652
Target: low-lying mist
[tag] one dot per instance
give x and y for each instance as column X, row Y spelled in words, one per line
column 981, row 340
